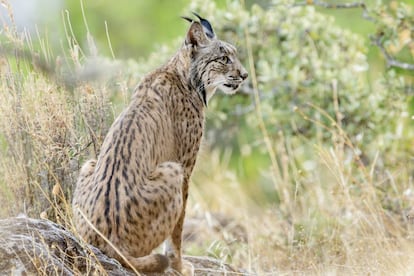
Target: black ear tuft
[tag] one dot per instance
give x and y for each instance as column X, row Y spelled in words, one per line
column 187, row 18
column 206, row 26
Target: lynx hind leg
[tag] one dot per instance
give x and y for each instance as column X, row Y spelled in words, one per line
column 165, row 189
column 147, row 264
column 168, row 173
column 169, row 176
column 166, row 182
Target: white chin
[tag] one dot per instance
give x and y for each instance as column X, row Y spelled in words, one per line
column 228, row 90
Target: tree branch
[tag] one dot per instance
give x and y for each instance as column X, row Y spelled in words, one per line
column 353, row 5
column 332, row 6
column 376, row 40
column 391, row 62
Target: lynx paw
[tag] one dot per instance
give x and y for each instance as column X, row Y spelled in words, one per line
column 182, row 266
column 187, row 268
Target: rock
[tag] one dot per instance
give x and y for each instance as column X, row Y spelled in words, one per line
column 41, row 247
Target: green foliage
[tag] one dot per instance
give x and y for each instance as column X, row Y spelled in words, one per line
column 133, row 26
column 394, row 33
column 309, row 72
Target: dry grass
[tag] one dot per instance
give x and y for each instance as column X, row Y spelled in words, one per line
column 335, row 222
column 339, row 216
column 336, row 214
column 55, row 113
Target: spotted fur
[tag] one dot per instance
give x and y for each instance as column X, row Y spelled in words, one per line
column 135, row 193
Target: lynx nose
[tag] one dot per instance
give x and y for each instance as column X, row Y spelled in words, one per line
column 244, row 75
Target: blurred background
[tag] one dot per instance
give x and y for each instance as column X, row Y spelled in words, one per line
column 143, row 23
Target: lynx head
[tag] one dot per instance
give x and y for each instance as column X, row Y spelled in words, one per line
column 214, row 63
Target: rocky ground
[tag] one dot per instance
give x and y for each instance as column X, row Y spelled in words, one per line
column 41, row 247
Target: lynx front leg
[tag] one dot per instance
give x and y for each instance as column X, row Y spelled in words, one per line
column 174, row 249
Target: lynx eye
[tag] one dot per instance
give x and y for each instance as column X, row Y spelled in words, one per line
column 226, row 60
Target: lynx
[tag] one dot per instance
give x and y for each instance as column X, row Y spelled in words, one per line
column 135, row 193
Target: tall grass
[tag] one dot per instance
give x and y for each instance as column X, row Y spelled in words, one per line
column 340, row 217
column 54, row 112
column 336, row 213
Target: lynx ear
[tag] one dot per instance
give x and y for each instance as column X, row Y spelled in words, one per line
column 208, row 30
column 196, row 35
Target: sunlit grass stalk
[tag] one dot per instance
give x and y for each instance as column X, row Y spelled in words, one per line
column 276, row 174
column 90, row 224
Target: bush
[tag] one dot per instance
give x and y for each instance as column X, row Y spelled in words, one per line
column 310, row 74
